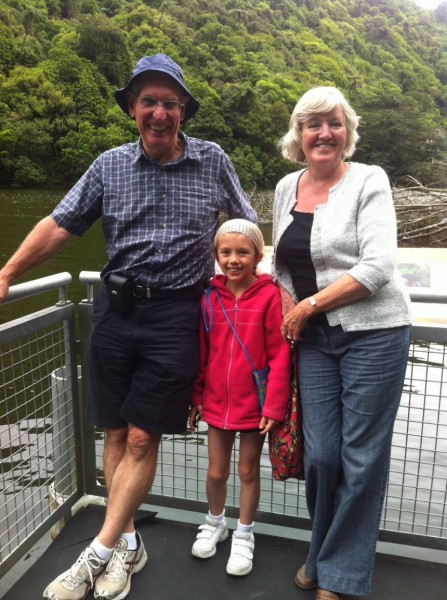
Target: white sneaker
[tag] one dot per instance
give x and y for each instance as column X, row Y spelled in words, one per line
column 114, row 582
column 241, row 557
column 210, row 534
column 75, row 583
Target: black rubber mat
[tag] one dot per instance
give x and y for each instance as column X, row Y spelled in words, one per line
column 172, row 573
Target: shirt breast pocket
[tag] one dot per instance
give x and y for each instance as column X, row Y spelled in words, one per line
column 196, row 207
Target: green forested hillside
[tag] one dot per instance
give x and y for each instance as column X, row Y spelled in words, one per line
column 247, row 61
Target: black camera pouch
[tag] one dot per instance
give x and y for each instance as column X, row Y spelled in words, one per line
column 120, row 290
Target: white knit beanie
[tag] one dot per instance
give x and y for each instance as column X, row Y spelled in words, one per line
column 245, row 227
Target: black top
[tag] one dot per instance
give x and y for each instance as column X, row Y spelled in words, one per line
column 294, row 251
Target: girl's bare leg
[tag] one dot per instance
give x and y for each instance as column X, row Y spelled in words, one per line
column 249, row 474
column 220, row 444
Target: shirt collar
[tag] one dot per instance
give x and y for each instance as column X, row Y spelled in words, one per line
column 191, row 152
column 137, row 151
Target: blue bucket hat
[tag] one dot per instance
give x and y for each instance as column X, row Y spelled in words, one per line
column 158, row 63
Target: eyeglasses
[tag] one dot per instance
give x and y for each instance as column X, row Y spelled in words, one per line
column 168, row 105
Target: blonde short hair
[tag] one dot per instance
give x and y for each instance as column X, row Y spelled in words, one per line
column 244, row 227
column 319, row 100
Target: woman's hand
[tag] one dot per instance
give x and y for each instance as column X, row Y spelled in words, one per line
column 194, row 416
column 287, row 301
column 266, row 424
column 294, row 316
column 294, row 321
column 343, row 291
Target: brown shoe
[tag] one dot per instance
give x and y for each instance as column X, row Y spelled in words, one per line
column 327, row 595
column 303, row 581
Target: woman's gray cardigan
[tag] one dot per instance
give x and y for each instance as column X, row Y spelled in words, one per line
column 354, row 233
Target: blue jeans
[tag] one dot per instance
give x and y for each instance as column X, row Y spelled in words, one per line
column 350, row 386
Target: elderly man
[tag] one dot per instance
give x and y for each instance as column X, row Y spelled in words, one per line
column 159, row 199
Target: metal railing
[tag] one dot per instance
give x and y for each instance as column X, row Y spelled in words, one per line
column 39, row 420
column 51, row 456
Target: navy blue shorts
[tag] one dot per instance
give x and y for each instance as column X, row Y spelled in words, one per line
column 142, row 368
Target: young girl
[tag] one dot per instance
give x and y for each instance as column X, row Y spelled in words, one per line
column 225, row 394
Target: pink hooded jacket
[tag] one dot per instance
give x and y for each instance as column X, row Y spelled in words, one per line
column 225, row 386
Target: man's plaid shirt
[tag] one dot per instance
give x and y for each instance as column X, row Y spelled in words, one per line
column 158, row 220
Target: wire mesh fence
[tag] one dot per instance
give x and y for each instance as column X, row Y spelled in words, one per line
column 416, row 496
column 37, row 425
column 416, row 500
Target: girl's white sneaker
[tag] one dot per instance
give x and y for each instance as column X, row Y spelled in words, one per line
column 241, row 557
column 210, row 534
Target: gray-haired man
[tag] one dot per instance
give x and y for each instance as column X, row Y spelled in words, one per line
column 159, row 200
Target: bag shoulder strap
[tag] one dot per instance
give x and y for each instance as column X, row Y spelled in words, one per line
column 209, row 323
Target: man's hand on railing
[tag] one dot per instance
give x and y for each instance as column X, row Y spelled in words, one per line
column 4, row 287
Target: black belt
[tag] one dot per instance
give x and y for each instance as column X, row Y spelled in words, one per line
column 187, row 293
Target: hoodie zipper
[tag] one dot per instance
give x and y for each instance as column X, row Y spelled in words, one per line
column 229, row 366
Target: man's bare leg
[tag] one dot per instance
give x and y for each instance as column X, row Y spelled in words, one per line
column 114, row 449
column 130, row 462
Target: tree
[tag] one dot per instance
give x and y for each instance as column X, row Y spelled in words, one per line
column 7, row 49
column 100, row 40
column 208, row 122
column 28, row 21
column 43, row 104
column 79, row 148
column 248, row 168
column 398, row 136
column 441, row 12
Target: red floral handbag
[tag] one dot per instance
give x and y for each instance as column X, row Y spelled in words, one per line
column 286, row 439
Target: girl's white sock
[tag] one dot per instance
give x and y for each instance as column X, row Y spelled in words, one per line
column 218, row 518
column 241, row 528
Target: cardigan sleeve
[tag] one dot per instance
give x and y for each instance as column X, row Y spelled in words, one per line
column 376, row 232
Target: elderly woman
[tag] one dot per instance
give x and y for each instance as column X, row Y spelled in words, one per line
column 334, row 235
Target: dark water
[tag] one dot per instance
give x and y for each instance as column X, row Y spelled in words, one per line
column 20, row 210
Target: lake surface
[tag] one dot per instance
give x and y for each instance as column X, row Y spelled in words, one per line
column 20, row 210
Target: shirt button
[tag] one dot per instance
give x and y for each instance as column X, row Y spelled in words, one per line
column 163, row 196
column 164, row 225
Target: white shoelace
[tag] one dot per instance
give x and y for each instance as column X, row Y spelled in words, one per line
column 85, row 565
column 117, row 565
